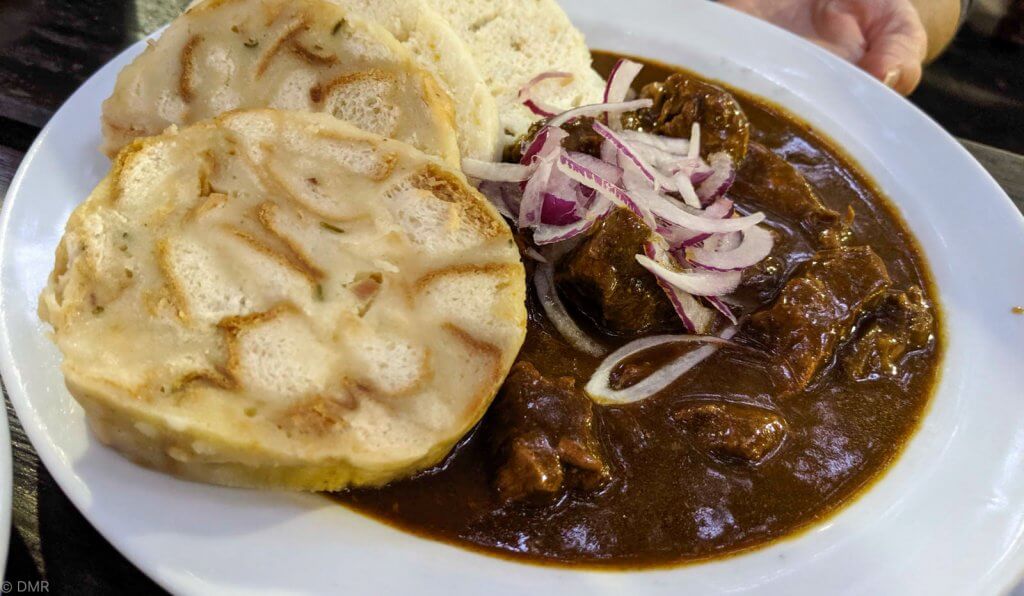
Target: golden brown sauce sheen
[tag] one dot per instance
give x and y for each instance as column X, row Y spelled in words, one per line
column 668, row 502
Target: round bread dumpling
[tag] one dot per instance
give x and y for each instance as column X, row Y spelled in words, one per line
column 306, row 55
column 280, row 299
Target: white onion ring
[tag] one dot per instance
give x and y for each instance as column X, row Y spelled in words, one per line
column 599, row 388
column 544, row 279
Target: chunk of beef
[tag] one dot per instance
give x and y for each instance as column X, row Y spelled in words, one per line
column 581, row 138
column 730, row 431
column 542, row 432
column 817, row 309
column 602, row 277
column 766, row 182
column 904, row 323
column 679, row 101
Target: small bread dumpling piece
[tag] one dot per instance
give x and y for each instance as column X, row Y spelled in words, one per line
column 512, row 43
column 440, row 50
column 280, row 299
column 307, row 55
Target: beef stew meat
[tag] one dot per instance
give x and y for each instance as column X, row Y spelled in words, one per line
column 766, row 182
column 731, row 431
column 680, row 101
column 603, row 279
column 829, row 375
column 903, row 325
column 817, row 310
column 542, row 433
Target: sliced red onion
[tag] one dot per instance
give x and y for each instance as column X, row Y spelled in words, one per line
column 494, row 171
column 536, row 106
column 545, row 234
column 695, row 168
column 557, row 211
column 544, row 279
column 608, row 153
column 604, row 169
column 599, row 386
column 626, row 151
column 544, row 143
column 679, row 238
column 599, row 108
column 723, row 308
column 757, row 244
column 721, row 209
column 697, row 282
column 621, row 80
column 720, row 181
column 533, row 195
column 684, row 184
column 536, row 144
column 588, row 178
column 695, row 316
column 496, row 195
column 678, row 147
column 694, row 151
column 675, row 214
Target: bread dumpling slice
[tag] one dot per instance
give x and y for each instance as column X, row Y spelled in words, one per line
column 309, row 55
column 440, row 50
column 513, row 42
column 279, row 299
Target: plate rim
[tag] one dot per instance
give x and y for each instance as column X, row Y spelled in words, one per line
column 64, row 474
column 6, row 489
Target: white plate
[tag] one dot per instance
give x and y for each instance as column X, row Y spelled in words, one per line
column 947, row 519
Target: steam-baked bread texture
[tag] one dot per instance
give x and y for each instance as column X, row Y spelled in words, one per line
column 279, row 299
column 513, row 42
column 309, row 55
column 440, row 50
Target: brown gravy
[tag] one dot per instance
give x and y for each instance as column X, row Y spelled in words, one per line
column 668, row 503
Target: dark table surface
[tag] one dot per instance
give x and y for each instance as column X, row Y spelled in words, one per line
column 49, row 47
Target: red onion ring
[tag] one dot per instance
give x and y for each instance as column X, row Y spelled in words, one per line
column 599, row 108
column 696, row 282
column 695, row 316
column 757, row 243
column 534, row 105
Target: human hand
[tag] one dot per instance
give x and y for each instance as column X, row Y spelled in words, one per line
column 884, row 37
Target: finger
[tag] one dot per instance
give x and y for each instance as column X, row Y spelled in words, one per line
column 896, row 44
column 839, row 31
column 895, row 60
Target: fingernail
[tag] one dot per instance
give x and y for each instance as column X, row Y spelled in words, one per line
column 891, row 78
